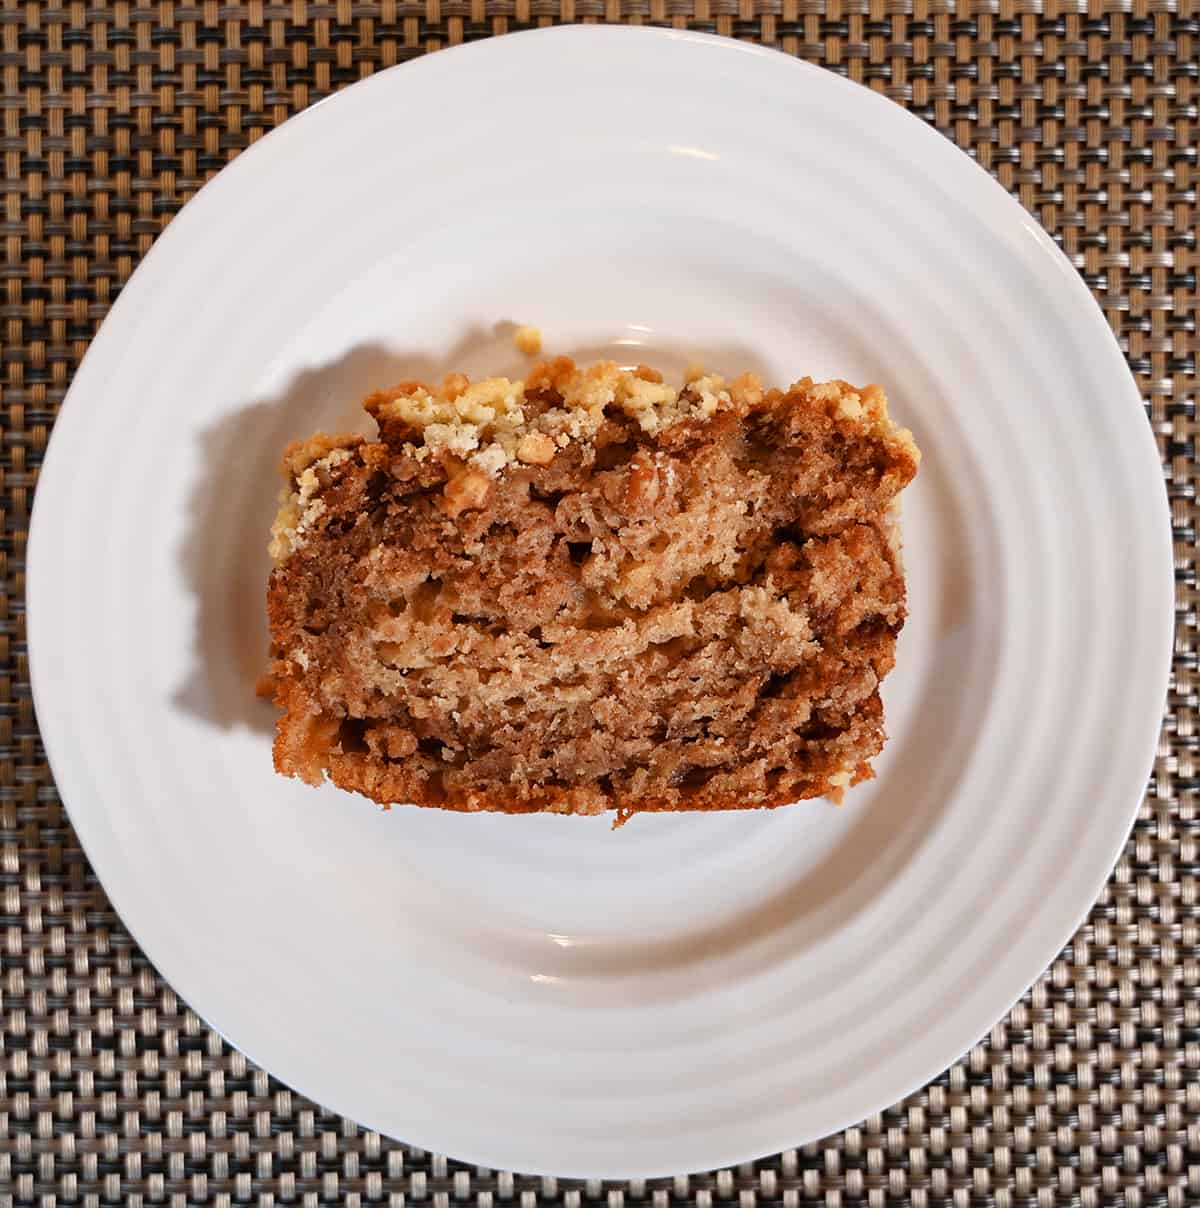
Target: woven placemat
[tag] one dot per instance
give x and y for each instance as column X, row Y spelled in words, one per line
column 111, row 1089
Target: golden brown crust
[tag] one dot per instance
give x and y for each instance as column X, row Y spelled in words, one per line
column 588, row 591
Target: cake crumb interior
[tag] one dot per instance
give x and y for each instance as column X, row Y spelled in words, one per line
column 591, row 590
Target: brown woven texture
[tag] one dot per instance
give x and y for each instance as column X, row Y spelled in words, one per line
column 111, row 1089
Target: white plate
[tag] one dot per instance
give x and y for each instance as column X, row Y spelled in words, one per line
column 543, row 993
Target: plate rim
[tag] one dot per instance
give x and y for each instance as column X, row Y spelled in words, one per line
column 295, row 127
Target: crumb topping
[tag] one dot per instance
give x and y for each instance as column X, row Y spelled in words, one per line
column 304, row 466
column 528, row 340
column 487, row 423
column 480, row 428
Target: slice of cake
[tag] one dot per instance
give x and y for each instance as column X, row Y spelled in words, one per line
column 591, row 590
